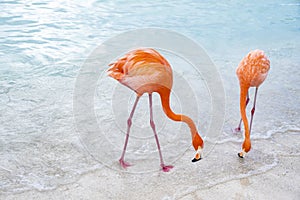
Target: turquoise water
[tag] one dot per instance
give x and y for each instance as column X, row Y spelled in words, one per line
column 43, row 46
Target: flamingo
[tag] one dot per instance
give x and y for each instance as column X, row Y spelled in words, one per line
column 251, row 72
column 144, row 70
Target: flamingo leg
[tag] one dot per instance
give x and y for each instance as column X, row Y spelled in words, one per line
column 238, row 129
column 253, row 109
column 129, row 123
column 164, row 167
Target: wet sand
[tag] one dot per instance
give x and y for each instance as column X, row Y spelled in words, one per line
column 229, row 178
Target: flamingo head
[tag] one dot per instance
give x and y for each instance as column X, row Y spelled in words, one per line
column 198, row 145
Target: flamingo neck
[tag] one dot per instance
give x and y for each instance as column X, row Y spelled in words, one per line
column 243, row 99
column 165, row 100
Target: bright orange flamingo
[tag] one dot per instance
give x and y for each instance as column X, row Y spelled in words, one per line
column 252, row 71
column 146, row 71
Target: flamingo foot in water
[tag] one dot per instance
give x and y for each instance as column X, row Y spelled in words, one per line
column 124, row 164
column 236, row 130
column 166, row 168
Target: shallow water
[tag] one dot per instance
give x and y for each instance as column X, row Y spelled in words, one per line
column 43, row 46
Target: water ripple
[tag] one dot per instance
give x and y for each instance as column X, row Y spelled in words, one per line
column 43, row 45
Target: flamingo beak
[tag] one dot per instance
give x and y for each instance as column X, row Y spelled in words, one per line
column 198, row 155
column 242, row 154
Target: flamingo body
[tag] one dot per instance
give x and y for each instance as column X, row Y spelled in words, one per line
column 253, row 69
column 142, row 70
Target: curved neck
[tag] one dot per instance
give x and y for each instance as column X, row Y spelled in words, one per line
column 165, row 100
column 243, row 99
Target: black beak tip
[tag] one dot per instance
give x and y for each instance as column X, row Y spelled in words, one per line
column 240, row 155
column 195, row 160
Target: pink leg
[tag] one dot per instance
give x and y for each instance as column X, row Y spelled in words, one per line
column 238, row 129
column 253, row 109
column 129, row 122
column 164, row 167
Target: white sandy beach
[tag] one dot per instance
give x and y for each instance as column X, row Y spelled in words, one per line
column 278, row 182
